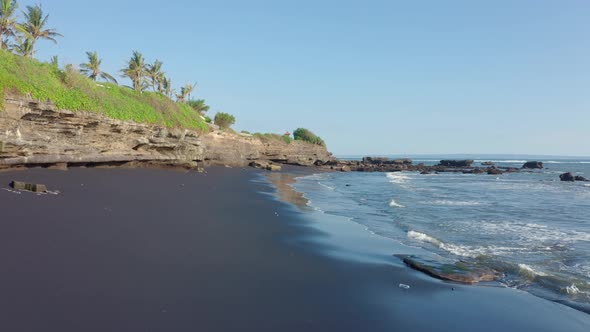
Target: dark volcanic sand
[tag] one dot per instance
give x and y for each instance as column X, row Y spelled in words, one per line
column 153, row 250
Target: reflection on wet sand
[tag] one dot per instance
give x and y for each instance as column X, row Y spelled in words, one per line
column 282, row 182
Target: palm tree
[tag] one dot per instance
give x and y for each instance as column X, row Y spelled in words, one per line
column 167, row 86
column 33, row 28
column 189, row 89
column 23, row 46
column 182, row 96
column 198, row 105
column 7, row 21
column 92, row 68
column 136, row 71
column 154, row 72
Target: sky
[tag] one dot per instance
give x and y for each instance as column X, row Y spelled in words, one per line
column 369, row 77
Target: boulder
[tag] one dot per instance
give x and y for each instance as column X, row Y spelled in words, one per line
column 580, row 178
column 426, row 172
column 533, row 165
column 456, row 163
column 488, row 163
column 345, row 169
column 567, row 177
column 37, row 188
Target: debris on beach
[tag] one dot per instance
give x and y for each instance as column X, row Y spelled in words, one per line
column 265, row 165
column 23, row 186
column 404, row 286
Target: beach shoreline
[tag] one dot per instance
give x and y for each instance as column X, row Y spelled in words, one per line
column 146, row 249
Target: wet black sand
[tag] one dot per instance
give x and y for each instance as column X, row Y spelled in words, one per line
column 154, row 250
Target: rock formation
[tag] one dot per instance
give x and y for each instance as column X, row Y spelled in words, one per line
column 533, row 165
column 37, row 133
column 456, row 163
column 570, row 177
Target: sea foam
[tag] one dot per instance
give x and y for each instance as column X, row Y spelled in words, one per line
column 395, row 204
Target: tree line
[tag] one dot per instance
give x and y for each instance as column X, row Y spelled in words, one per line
column 21, row 37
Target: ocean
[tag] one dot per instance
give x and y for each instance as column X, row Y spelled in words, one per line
column 528, row 225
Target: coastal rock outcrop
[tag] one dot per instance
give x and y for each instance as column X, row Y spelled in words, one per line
column 37, row 133
column 533, row 165
column 570, row 177
column 456, row 163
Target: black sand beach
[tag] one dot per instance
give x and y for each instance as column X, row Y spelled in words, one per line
column 154, row 250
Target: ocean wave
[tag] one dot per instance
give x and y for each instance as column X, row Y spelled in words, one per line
column 501, row 161
column 444, row 202
column 530, row 232
column 395, row 204
column 454, row 249
column 529, row 272
column 326, row 186
column 398, row 177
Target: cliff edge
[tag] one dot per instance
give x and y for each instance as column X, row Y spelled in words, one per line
column 37, row 133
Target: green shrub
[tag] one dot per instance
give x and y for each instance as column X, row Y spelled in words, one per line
column 207, row 119
column 302, row 134
column 224, row 120
column 245, row 132
column 287, row 139
column 70, row 90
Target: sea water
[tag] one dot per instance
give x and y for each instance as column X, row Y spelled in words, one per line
column 528, row 225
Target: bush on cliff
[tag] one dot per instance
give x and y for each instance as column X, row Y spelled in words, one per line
column 302, row 134
column 70, row 90
column 224, row 120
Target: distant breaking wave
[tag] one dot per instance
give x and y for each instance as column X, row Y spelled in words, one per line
column 395, row 204
column 452, row 203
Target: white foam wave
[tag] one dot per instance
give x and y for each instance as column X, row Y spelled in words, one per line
column 452, row 203
column 501, row 161
column 326, row 186
column 454, row 249
column 398, row 177
column 463, row 250
column 395, row 204
column 529, row 271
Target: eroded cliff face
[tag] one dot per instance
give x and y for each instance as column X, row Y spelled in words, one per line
column 37, row 133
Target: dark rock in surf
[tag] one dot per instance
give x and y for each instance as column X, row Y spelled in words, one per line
column 533, row 165
column 568, row 177
column 580, row 178
column 494, row 171
column 488, row 163
column 460, row 271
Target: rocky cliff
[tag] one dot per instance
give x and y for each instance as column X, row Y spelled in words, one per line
column 37, row 133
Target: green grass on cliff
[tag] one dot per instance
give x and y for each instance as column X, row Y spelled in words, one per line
column 72, row 91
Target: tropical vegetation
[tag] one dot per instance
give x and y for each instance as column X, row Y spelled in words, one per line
column 302, row 134
column 224, row 120
column 151, row 98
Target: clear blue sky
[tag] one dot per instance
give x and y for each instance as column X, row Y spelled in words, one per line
column 370, row 77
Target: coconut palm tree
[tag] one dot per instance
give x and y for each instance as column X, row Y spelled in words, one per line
column 23, row 47
column 7, row 22
column 198, row 105
column 92, row 68
column 154, row 72
column 136, row 71
column 189, row 88
column 33, row 28
column 167, row 87
column 181, row 97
